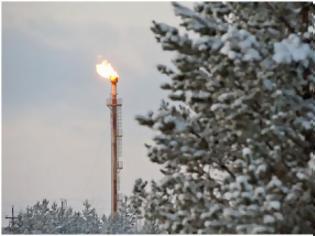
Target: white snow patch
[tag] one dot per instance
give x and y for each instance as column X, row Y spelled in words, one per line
column 268, row 84
column 292, row 49
column 180, row 125
column 311, row 164
column 274, row 205
column 217, row 106
column 225, row 96
column 246, row 151
column 240, row 44
column 274, row 182
column 269, row 219
column 260, row 191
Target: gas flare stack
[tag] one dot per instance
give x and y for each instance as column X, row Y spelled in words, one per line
column 106, row 70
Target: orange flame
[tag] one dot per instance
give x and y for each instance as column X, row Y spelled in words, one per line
column 105, row 70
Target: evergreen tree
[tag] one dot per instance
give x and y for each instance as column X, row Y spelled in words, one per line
column 236, row 146
column 124, row 222
column 45, row 218
column 146, row 218
column 91, row 222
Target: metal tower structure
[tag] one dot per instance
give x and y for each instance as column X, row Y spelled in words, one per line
column 107, row 71
column 114, row 105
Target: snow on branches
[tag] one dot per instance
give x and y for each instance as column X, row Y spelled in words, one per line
column 244, row 76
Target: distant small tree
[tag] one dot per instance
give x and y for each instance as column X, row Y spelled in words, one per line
column 43, row 218
column 91, row 222
column 124, row 222
column 36, row 219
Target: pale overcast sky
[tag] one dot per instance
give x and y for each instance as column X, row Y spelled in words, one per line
column 56, row 127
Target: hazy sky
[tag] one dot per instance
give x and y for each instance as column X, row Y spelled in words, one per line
column 56, row 127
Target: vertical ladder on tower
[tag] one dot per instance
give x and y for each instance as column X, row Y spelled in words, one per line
column 119, row 146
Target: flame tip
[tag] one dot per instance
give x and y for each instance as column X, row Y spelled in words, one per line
column 105, row 70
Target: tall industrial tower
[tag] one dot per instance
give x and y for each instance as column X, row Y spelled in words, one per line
column 106, row 70
column 114, row 105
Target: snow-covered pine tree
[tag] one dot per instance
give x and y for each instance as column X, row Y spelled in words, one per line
column 243, row 91
column 40, row 218
column 43, row 218
column 91, row 223
column 147, row 222
column 124, row 222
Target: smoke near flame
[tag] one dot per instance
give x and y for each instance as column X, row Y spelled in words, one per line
column 105, row 70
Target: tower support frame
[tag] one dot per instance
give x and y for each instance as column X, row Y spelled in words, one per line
column 115, row 105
